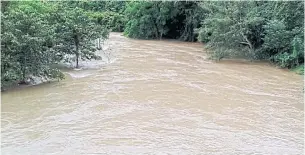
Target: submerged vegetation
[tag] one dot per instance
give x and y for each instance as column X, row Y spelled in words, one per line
column 35, row 35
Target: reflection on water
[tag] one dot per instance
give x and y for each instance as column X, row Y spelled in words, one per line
column 158, row 97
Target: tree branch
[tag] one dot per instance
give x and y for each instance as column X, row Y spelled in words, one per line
column 248, row 42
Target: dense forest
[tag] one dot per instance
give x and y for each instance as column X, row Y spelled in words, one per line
column 35, row 35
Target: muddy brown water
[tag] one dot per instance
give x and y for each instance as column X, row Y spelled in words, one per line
column 158, row 97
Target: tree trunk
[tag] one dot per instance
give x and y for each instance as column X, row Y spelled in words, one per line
column 23, row 69
column 248, row 41
column 98, row 44
column 156, row 27
column 77, row 57
column 76, row 41
column 23, row 74
column 192, row 33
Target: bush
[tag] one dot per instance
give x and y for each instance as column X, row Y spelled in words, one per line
column 204, row 35
column 299, row 69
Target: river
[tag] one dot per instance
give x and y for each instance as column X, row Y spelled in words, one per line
column 158, row 97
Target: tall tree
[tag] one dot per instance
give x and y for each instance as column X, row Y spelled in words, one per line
column 76, row 32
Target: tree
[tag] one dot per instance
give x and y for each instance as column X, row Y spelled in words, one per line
column 255, row 30
column 75, row 33
column 25, row 31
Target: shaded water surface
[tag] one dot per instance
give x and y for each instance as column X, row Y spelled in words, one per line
column 158, row 97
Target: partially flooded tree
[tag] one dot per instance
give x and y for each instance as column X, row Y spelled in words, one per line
column 24, row 34
column 76, row 33
column 35, row 35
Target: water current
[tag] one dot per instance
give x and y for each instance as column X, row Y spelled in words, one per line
column 157, row 97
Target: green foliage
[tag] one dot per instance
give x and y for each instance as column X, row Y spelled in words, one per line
column 112, row 20
column 256, row 30
column 193, row 16
column 291, row 60
column 204, row 35
column 276, row 38
column 228, row 27
column 75, row 32
column 299, row 69
column 147, row 20
column 283, row 59
column 24, row 34
column 100, row 6
column 110, row 14
column 154, row 20
column 35, row 35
